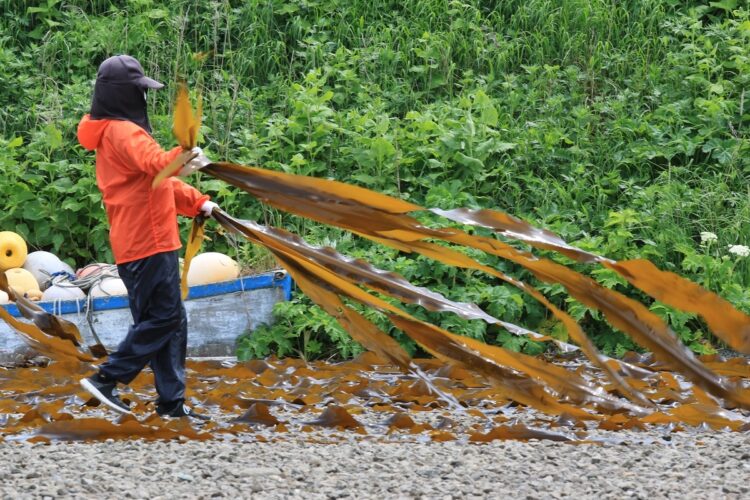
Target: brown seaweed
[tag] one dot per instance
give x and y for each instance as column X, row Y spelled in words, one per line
column 307, row 264
column 519, row 432
column 723, row 319
column 381, row 217
column 46, row 403
column 258, row 413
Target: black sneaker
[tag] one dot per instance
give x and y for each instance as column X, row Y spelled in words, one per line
column 103, row 391
column 179, row 411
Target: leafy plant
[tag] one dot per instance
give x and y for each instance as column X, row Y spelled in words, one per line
column 622, row 126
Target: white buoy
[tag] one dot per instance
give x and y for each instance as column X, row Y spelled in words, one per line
column 43, row 264
column 108, row 287
column 57, row 292
column 4, row 299
column 212, row 267
column 67, row 268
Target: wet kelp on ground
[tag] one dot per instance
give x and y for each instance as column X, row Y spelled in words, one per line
column 366, row 398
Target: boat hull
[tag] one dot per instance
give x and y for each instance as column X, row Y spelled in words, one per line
column 217, row 314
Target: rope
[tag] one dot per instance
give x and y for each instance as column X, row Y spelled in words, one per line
column 67, row 280
column 244, row 298
column 64, row 279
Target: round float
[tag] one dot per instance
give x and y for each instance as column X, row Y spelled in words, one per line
column 13, row 250
column 21, row 280
column 60, row 292
column 108, row 287
column 43, row 265
column 212, row 267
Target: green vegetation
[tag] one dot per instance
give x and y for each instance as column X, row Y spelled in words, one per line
column 620, row 125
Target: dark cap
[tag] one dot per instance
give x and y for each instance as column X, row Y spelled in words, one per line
column 123, row 70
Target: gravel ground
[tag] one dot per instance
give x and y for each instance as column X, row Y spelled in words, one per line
column 703, row 465
column 305, row 458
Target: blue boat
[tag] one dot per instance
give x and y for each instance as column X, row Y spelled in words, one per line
column 217, row 314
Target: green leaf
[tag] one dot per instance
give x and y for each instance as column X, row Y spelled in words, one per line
column 608, row 278
column 53, row 136
column 57, row 241
column 467, row 161
column 725, row 5
column 33, row 211
column 504, row 146
column 366, row 179
column 72, row 205
column 489, row 116
column 287, row 8
column 158, row 14
column 23, row 230
column 382, row 148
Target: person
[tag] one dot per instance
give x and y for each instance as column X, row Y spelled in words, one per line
column 143, row 233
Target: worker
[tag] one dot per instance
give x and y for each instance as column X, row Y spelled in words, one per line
column 143, row 233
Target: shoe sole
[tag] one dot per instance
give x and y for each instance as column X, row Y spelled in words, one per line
column 98, row 395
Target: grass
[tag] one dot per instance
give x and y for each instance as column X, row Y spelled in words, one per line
column 620, row 125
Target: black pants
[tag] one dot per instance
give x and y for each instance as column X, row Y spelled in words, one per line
column 159, row 334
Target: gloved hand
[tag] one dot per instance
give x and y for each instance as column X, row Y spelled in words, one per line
column 208, row 207
column 195, row 164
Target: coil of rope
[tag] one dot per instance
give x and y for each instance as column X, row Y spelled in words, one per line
column 64, row 279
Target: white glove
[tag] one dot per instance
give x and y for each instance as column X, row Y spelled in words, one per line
column 208, row 207
column 195, row 164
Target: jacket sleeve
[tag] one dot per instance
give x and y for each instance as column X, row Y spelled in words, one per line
column 140, row 151
column 187, row 199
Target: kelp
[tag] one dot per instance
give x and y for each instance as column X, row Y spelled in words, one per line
column 49, row 334
column 270, row 399
column 186, row 123
column 479, row 374
column 288, row 398
column 258, row 414
column 519, row 432
column 195, row 239
column 52, row 346
column 384, row 219
column 323, row 273
column 185, row 127
column 723, row 319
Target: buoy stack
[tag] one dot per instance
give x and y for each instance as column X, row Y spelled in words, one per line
column 44, row 276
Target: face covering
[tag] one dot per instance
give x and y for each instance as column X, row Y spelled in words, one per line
column 120, row 101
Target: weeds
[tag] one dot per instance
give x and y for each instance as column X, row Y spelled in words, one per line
column 620, row 125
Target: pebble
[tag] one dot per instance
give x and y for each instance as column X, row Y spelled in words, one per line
column 371, row 469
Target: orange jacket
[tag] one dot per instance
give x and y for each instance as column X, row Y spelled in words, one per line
column 142, row 220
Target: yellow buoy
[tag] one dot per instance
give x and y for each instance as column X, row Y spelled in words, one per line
column 22, row 281
column 13, row 250
column 212, row 267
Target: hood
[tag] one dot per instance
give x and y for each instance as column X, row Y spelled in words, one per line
column 90, row 132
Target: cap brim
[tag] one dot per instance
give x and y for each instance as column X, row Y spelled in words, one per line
column 149, row 83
